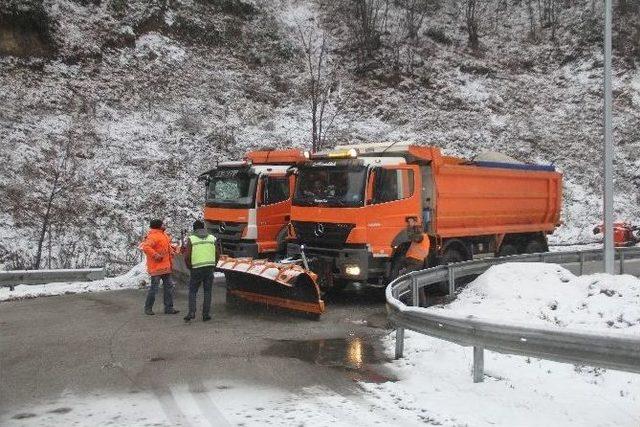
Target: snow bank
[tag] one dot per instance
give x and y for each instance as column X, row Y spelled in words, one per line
column 435, row 386
column 435, row 381
column 135, row 278
column 548, row 294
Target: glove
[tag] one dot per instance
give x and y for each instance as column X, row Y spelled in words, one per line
column 157, row 257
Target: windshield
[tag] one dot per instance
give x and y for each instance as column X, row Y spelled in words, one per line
column 231, row 188
column 330, row 186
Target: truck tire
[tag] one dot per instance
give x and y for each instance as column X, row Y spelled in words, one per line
column 534, row 247
column 508, row 249
column 450, row 256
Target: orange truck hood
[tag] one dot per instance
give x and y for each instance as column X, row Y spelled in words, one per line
column 226, row 214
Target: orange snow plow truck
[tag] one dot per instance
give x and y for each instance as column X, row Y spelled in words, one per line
column 370, row 213
column 248, row 203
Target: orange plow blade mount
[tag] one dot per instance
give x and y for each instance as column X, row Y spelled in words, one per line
column 287, row 286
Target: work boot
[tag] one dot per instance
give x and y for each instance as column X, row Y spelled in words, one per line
column 172, row 311
column 189, row 317
column 149, row 312
column 206, row 318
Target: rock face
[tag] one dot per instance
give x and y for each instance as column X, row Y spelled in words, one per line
column 142, row 96
column 26, row 33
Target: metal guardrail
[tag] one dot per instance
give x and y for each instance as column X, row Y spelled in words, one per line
column 39, row 277
column 614, row 351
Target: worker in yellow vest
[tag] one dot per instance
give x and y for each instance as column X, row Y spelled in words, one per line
column 201, row 257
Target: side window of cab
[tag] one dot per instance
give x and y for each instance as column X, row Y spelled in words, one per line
column 275, row 190
column 392, row 184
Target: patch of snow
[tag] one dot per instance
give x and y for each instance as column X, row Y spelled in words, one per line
column 435, row 376
column 435, row 384
column 550, row 295
column 216, row 403
column 162, row 47
column 635, row 89
column 133, row 279
column 472, row 89
column 169, row 17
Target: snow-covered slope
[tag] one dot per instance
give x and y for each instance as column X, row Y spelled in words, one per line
column 158, row 91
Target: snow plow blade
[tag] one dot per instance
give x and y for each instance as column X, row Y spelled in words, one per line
column 287, row 286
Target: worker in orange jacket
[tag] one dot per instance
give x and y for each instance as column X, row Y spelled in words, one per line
column 158, row 250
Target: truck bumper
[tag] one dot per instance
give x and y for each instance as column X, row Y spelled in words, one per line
column 344, row 263
column 239, row 248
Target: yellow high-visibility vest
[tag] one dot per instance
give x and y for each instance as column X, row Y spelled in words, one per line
column 203, row 251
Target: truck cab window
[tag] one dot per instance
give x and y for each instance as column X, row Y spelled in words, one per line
column 275, row 190
column 392, row 184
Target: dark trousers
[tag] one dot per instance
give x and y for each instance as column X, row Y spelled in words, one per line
column 167, row 292
column 204, row 276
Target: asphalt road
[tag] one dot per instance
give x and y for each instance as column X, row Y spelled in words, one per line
column 63, row 359
column 101, row 344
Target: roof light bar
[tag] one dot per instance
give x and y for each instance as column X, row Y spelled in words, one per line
column 351, row 153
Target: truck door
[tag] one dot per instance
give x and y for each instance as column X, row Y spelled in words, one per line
column 274, row 207
column 394, row 198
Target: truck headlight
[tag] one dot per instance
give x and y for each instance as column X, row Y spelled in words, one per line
column 352, row 270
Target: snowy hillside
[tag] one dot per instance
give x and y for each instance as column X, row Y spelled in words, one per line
column 150, row 93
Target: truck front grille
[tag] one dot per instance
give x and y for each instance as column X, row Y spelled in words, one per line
column 226, row 229
column 323, row 234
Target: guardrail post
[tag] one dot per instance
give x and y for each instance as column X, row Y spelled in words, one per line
column 452, row 281
column 621, row 261
column 399, row 342
column 581, row 263
column 415, row 296
column 478, row 364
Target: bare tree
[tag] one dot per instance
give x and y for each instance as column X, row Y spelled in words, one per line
column 548, row 11
column 370, row 16
column 471, row 18
column 532, row 21
column 321, row 85
column 414, row 14
column 48, row 195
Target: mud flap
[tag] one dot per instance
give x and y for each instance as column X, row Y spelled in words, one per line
column 287, row 286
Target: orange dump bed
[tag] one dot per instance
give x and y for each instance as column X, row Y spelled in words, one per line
column 477, row 200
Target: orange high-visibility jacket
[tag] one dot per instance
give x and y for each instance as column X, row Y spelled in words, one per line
column 157, row 242
column 419, row 251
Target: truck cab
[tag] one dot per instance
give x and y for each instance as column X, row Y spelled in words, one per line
column 359, row 210
column 248, row 203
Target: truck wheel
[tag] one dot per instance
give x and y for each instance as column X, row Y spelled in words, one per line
column 508, row 249
column 535, row 247
column 450, row 256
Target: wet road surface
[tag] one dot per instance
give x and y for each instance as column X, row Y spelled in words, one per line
column 56, row 349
